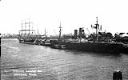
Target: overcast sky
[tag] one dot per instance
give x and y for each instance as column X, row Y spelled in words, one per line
column 112, row 14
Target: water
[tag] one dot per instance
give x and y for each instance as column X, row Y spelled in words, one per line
column 33, row 62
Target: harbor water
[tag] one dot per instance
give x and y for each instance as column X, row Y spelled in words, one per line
column 34, row 62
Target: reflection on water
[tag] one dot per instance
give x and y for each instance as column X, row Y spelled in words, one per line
column 33, row 62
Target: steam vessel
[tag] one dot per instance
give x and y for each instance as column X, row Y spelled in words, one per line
column 93, row 45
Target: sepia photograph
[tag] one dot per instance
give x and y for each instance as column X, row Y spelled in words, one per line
column 64, row 39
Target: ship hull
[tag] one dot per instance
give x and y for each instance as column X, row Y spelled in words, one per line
column 96, row 47
column 26, row 41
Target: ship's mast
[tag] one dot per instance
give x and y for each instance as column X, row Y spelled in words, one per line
column 97, row 27
column 29, row 27
column 45, row 33
column 25, row 27
column 20, row 32
column 60, row 31
column 32, row 29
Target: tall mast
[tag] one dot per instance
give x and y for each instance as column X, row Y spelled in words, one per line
column 25, row 27
column 96, row 20
column 21, row 32
column 45, row 33
column 32, row 28
column 60, row 31
column 29, row 26
column 97, row 27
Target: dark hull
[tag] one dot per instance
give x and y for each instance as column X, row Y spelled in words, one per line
column 96, row 47
column 27, row 41
column 125, row 49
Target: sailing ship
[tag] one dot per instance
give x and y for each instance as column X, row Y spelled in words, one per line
column 27, row 34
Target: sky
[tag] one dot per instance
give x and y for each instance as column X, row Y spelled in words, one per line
column 47, row 14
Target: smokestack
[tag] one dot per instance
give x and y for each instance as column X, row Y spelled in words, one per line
column 75, row 33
